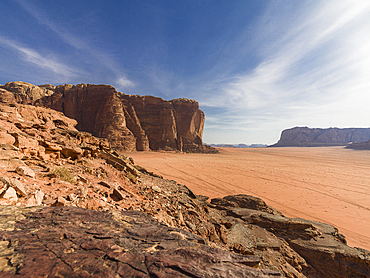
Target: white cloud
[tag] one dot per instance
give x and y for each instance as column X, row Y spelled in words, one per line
column 49, row 63
column 282, row 75
column 123, row 82
column 79, row 43
column 314, row 72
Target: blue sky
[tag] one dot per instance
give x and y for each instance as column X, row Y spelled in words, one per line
column 255, row 67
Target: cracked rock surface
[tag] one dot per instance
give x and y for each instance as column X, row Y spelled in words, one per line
column 75, row 242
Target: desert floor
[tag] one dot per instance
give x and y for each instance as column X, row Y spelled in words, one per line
column 328, row 184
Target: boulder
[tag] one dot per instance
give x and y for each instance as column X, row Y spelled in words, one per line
column 9, row 197
column 331, row 259
column 72, row 152
column 60, row 202
column 242, row 239
column 6, row 138
column 35, row 199
column 25, row 171
column 117, row 195
column 25, row 143
column 4, row 184
column 243, row 201
column 19, row 187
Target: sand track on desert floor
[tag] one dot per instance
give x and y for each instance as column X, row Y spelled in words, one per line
column 329, row 184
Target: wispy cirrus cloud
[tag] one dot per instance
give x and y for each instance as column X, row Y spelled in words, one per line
column 314, row 71
column 124, row 82
column 82, row 44
column 47, row 62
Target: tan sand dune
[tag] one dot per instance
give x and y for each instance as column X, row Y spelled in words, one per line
column 328, row 184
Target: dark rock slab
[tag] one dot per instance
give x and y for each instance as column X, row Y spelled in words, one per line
column 333, row 259
column 243, row 201
column 75, row 242
column 322, row 248
column 359, row 146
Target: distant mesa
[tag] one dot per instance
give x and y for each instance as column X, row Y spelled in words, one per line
column 241, row 146
column 359, row 146
column 129, row 122
column 316, row 137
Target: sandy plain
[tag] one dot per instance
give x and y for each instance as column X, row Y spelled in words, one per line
column 327, row 184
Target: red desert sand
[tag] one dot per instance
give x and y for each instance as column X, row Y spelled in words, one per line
column 327, row 184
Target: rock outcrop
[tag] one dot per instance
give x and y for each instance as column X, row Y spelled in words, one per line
column 174, row 124
column 316, row 137
column 75, row 242
column 27, row 93
column 128, row 122
column 359, row 146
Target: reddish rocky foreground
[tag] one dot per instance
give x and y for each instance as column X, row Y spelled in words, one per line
column 75, row 242
column 71, row 206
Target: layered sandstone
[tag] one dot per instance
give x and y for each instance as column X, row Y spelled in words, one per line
column 27, row 93
column 168, row 124
column 129, row 122
column 315, row 137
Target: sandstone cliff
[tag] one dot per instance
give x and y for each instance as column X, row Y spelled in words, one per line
column 174, row 124
column 315, row 137
column 83, row 210
column 129, row 122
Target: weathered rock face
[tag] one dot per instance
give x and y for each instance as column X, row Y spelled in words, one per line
column 97, row 109
column 27, row 93
column 128, row 122
column 168, row 123
column 312, row 137
column 74, row 242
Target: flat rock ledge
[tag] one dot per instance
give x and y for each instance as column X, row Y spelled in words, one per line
column 76, row 242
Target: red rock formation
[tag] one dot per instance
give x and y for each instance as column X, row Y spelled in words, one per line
column 130, row 122
column 168, row 123
column 99, row 110
column 27, row 93
column 314, row 137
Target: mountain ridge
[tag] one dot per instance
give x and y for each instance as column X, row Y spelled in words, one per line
column 317, row 137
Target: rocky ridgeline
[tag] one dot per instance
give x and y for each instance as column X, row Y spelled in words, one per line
column 71, row 206
column 359, row 146
column 128, row 122
column 317, row 137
